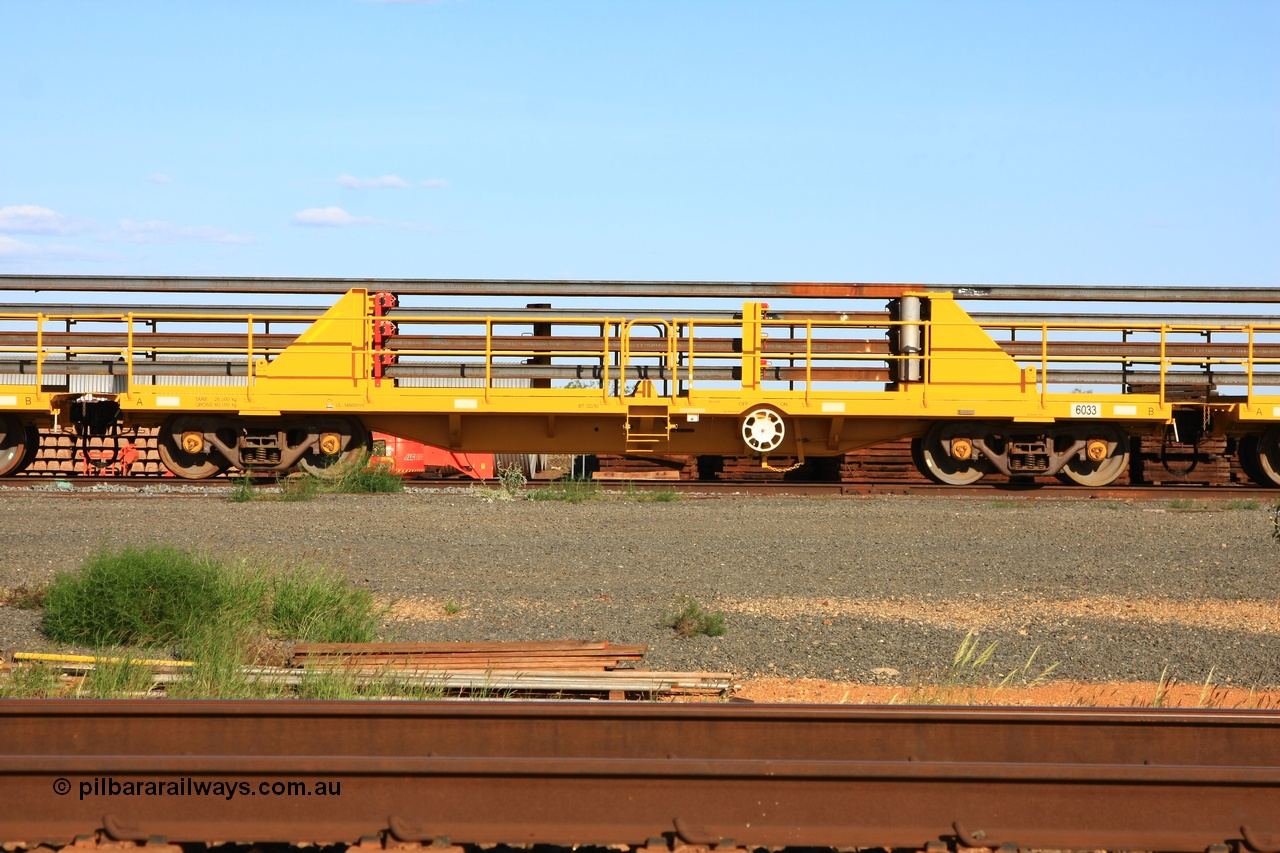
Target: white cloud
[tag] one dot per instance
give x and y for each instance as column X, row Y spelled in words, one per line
column 160, row 178
column 435, row 183
column 329, row 217
column 16, row 250
column 386, row 181
column 30, row 219
column 156, row 231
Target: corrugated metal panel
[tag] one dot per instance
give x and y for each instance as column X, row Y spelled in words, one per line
column 458, row 382
column 219, row 381
column 90, row 384
column 17, row 379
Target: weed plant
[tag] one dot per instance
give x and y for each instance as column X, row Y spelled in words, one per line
column 353, row 477
column 221, row 652
column 146, row 595
column 511, row 480
column 1182, row 503
column 1242, row 504
column 24, row 596
column 243, row 491
column 691, row 620
column 357, row 478
column 969, row 681
column 346, row 683
column 162, row 595
column 30, row 682
column 667, row 495
column 569, row 491
column 320, row 607
column 118, row 675
column 511, row 483
column 304, row 487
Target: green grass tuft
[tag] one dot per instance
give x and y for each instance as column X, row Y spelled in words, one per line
column 303, row 487
column 354, row 478
column 691, row 620
column 358, row 478
column 118, row 675
column 243, row 490
column 162, row 595
column 568, row 491
column 30, row 682
column 321, row 608
column 146, row 595
column 664, row 495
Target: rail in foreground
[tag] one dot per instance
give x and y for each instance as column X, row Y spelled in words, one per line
column 98, row 773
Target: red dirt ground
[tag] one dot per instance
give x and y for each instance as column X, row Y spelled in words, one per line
column 1113, row 694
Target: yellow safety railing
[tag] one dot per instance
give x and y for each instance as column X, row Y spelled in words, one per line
column 685, row 347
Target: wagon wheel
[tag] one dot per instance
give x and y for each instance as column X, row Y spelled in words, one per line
column 935, row 462
column 1267, row 455
column 14, row 446
column 184, row 451
column 1099, row 472
column 1247, row 453
column 343, row 442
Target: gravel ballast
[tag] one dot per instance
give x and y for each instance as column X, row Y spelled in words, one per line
column 810, row 587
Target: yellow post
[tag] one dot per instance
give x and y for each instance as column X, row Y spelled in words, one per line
column 752, row 345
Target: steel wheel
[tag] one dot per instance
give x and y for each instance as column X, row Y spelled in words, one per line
column 13, row 446
column 1103, row 472
column 351, row 442
column 1247, row 453
column 933, row 460
column 184, row 463
column 1268, row 456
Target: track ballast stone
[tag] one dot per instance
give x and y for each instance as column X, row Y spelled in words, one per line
column 1024, row 571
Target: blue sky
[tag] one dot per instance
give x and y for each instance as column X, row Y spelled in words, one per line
column 1045, row 142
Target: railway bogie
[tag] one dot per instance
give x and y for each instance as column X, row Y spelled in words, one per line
column 267, row 392
column 198, row 446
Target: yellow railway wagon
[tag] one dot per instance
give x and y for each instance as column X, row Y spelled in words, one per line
column 270, row 389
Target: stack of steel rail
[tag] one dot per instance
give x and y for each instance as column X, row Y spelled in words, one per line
column 1028, row 392
column 1083, row 347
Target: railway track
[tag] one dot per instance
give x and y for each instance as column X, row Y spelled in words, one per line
column 656, row 777
column 214, row 487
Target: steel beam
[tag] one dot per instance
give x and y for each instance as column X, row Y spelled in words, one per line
column 565, row 773
column 755, row 290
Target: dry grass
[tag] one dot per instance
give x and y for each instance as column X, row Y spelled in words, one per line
column 420, row 609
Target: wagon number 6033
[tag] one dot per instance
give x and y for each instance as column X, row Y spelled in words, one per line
column 1086, row 410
